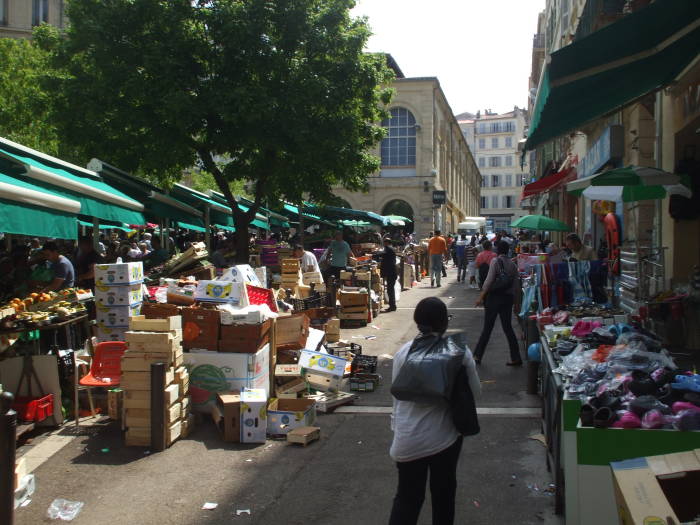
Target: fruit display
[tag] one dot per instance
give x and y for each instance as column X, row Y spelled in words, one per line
column 39, row 309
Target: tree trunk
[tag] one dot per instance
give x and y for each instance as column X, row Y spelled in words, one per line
column 242, row 245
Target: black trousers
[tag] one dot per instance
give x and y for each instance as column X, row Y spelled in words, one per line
column 498, row 306
column 443, row 487
column 332, row 271
column 390, row 290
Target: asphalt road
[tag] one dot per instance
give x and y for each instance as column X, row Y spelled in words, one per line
column 345, row 478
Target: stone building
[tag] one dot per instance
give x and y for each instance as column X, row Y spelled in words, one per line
column 495, row 138
column 424, row 151
column 18, row 17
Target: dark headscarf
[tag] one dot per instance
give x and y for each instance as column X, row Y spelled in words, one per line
column 431, row 315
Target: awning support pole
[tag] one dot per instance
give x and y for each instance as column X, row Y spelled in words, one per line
column 207, row 232
column 96, row 233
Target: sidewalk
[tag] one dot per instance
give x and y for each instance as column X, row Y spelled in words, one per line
column 345, row 478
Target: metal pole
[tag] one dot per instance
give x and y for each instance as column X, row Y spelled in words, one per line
column 207, row 229
column 158, row 407
column 301, row 224
column 96, row 233
column 8, row 443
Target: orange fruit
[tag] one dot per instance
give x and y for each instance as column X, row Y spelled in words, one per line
column 33, row 295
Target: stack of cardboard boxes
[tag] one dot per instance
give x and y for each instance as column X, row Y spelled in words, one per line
column 354, row 306
column 154, row 341
column 118, row 297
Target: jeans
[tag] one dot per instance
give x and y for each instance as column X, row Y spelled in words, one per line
column 435, row 268
column 495, row 306
column 461, row 268
column 391, row 290
column 443, row 487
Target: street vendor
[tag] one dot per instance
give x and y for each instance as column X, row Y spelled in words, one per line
column 63, row 271
column 308, row 259
column 339, row 254
column 579, row 251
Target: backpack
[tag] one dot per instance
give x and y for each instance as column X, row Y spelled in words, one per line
column 503, row 283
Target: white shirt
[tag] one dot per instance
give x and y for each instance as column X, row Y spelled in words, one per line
column 422, row 430
column 309, row 260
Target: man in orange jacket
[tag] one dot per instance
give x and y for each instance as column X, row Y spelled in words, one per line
column 437, row 250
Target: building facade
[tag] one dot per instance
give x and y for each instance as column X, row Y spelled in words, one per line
column 18, row 17
column 424, row 151
column 495, row 138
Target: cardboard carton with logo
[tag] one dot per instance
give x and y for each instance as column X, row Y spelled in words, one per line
column 253, row 416
column 284, row 415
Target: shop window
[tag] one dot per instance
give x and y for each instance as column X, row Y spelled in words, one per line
column 399, row 147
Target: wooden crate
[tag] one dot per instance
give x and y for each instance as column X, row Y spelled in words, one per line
column 141, row 323
column 290, row 265
column 142, row 398
column 353, row 298
column 141, row 362
column 142, row 380
column 155, row 339
column 141, row 436
column 141, row 417
column 303, row 435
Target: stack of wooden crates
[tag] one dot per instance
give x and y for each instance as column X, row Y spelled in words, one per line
column 291, row 274
column 354, row 307
column 155, row 341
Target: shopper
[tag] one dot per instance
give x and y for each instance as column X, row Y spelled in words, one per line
column 500, row 295
column 307, row 259
column 579, row 251
column 88, row 257
column 461, row 260
column 437, row 250
column 425, row 438
column 483, row 260
column 338, row 253
column 470, row 254
column 63, row 271
column 388, row 272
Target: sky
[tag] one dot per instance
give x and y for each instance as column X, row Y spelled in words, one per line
column 480, row 50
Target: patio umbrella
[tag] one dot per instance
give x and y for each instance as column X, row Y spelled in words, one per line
column 630, row 184
column 541, row 223
column 398, row 218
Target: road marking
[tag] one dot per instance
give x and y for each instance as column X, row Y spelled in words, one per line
column 528, row 412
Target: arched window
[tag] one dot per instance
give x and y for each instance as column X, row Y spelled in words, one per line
column 399, row 147
column 402, row 208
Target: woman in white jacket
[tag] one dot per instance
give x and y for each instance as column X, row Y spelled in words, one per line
column 425, row 437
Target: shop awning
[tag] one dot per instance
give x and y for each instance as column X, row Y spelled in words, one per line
column 612, row 67
column 293, row 213
column 337, row 213
column 103, row 226
column 29, row 209
column 157, row 203
column 192, row 227
column 546, row 183
column 97, row 199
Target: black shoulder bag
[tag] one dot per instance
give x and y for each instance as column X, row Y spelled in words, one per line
column 503, row 283
column 463, row 406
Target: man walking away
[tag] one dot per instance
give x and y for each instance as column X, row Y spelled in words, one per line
column 461, row 260
column 388, row 271
column 470, row 253
column 483, row 260
column 437, row 250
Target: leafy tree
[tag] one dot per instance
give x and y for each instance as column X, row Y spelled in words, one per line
column 282, row 88
column 25, row 106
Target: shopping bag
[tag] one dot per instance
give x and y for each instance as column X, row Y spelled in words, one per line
column 429, row 373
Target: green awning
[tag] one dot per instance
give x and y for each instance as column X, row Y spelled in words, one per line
column 614, row 66
column 338, row 213
column 293, row 212
column 25, row 219
column 192, row 227
column 227, row 228
column 105, row 226
column 260, row 224
column 89, row 205
column 278, row 223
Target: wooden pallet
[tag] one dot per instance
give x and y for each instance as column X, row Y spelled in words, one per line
column 304, row 435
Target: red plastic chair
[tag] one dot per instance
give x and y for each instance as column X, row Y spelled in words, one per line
column 106, row 366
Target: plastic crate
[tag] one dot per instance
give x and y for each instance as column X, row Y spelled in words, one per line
column 318, row 301
column 33, row 409
column 364, row 364
column 364, row 382
column 257, row 295
column 345, row 351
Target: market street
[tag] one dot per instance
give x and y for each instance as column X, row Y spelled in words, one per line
column 345, row 478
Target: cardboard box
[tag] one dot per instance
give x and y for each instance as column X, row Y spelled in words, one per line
column 222, row 292
column 109, row 333
column 200, row 328
column 242, row 273
column 244, row 338
column 658, row 489
column 332, row 326
column 291, row 388
column 142, row 380
column 324, row 363
column 158, row 341
column 142, row 398
column 292, row 331
column 119, row 295
column 261, row 273
column 213, row 372
column 244, row 316
column 345, row 276
column 284, row 415
column 119, row 274
column 159, row 310
column 116, row 315
column 322, row 382
column 168, row 324
column 226, row 413
column 115, row 403
column 304, row 435
column 253, row 416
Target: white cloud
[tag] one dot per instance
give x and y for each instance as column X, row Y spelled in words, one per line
column 480, row 50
